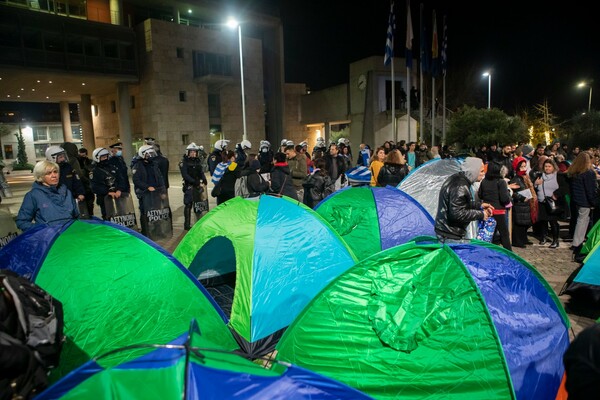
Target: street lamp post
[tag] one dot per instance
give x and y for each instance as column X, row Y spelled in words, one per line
column 489, row 75
column 583, row 84
column 232, row 23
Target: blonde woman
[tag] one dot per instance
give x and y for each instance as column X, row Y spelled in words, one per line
column 376, row 163
column 47, row 203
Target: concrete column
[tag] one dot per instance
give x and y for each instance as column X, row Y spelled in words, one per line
column 125, row 134
column 176, row 16
column 65, row 118
column 87, row 125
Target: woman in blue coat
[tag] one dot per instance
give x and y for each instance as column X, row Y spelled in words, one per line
column 47, row 203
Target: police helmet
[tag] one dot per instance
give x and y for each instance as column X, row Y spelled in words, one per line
column 304, row 144
column 289, row 143
column 264, row 144
column 283, row 142
column 147, row 151
column 192, row 147
column 246, row 144
column 221, row 144
column 99, row 153
column 53, row 152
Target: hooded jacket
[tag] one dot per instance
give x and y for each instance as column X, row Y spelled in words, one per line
column 457, row 208
column 49, row 205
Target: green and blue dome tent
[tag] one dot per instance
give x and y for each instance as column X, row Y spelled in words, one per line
column 194, row 367
column 425, row 320
column 264, row 259
column 117, row 288
column 371, row 219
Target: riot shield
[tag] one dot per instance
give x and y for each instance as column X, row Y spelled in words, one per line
column 156, row 218
column 200, row 200
column 83, row 210
column 8, row 228
column 120, row 211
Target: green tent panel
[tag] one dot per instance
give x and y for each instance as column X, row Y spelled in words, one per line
column 117, row 289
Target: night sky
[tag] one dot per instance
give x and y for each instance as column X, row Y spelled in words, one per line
column 536, row 50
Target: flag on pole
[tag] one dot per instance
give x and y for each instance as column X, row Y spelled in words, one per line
column 434, row 49
column 409, row 36
column 424, row 50
column 444, row 48
column 389, row 41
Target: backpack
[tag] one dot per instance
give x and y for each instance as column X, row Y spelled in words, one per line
column 241, row 186
column 40, row 316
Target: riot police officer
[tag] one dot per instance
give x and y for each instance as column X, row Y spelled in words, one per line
column 193, row 175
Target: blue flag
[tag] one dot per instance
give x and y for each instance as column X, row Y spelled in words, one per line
column 409, row 36
column 389, row 41
column 424, row 49
column 444, row 48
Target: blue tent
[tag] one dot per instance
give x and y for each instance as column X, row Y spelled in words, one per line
column 371, row 219
column 193, row 367
column 117, row 288
column 425, row 320
column 263, row 259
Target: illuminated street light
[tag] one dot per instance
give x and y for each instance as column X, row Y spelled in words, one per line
column 232, row 23
column 584, row 84
column 489, row 76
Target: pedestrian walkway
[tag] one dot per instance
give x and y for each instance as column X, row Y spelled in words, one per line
column 555, row 265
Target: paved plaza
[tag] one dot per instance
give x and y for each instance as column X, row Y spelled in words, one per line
column 555, row 265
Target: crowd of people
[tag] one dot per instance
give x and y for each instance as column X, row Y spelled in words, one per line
column 526, row 188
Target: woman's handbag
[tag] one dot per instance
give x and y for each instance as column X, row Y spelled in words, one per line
column 486, row 229
column 552, row 208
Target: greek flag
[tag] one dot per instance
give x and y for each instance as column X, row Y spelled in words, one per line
column 219, row 171
column 444, row 48
column 409, row 36
column 389, row 41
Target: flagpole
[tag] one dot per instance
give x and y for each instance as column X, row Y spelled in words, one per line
column 444, row 67
column 434, row 71
column 394, row 133
column 432, row 108
column 409, row 37
column 421, row 75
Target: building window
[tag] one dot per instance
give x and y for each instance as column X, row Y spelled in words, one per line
column 40, row 150
column 8, row 151
column 185, row 139
column 214, row 106
column 211, row 64
column 39, row 133
column 113, row 106
column 182, row 96
column 132, row 101
column 180, row 52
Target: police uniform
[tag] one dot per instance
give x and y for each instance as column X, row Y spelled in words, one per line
column 192, row 174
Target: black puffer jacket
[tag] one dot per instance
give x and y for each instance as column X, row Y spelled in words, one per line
column 456, row 208
column 391, row 174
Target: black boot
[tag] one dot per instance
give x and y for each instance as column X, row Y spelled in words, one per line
column 555, row 229
column 544, row 233
column 187, row 215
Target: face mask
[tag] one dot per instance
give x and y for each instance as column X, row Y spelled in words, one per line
column 119, row 153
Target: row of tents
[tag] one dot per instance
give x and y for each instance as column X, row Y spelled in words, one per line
column 355, row 299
